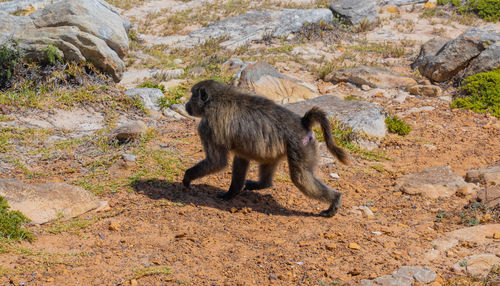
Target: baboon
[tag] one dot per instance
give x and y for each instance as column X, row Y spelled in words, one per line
column 256, row 128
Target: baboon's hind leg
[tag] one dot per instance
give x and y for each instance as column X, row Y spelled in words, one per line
column 266, row 173
column 312, row 187
column 240, row 168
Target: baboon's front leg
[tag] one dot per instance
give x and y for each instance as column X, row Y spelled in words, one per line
column 240, row 168
column 266, row 173
column 216, row 160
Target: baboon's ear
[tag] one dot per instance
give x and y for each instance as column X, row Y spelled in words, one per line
column 203, row 94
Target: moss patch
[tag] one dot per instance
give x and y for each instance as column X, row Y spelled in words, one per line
column 482, row 93
column 397, row 125
column 11, row 223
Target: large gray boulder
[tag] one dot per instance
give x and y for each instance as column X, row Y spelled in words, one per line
column 265, row 80
column 89, row 30
column 363, row 117
column 375, row 77
column 456, row 54
column 354, row 12
column 91, row 16
column 42, row 203
column 253, row 26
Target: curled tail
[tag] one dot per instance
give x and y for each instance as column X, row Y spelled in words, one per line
column 317, row 115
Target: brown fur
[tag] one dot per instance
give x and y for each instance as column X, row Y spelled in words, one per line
column 255, row 128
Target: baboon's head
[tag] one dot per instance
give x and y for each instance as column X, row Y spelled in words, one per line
column 201, row 94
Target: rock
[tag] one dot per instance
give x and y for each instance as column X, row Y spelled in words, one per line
column 374, row 77
column 425, row 90
column 167, row 112
column 476, row 234
column 148, row 96
column 487, row 60
column 306, row 52
column 334, row 176
column 92, row 16
column 129, row 157
column 265, row 80
column 477, row 265
column 133, row 282
column 353, row 12
column 365, row 87
column 489, row 196
column 128, row 132
column 456, row 54
column 406, row 275
column 90, row 31
column 489, row 175
column 354, row 245
column 400, row 2
column 253, row 26
column 42, row 203
column 433, row 182
column 420, row 274
column 363, row 117
column 114, row 226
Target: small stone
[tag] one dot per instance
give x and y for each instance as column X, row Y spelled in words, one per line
column 377, row 232
column 354, row 272
column 330, row 246
column 365, row 87
column 496, row 235
column 50, row 279
column 133, row 282
column 392, row 9
column 178, row 61
column 354, row 245
column 233, row 210
column 114, row 226
column 334, row 176
column 129, row 157
column 246, row 210
column 273, row 276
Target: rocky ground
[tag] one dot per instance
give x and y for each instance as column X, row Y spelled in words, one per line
column 417, row 209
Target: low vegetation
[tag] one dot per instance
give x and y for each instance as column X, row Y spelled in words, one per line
column 397, row 126
column 11, row 223
column 10, row 58
column 488, row 10
column 482, row 93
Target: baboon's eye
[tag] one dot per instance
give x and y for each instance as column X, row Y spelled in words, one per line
column 203, row 94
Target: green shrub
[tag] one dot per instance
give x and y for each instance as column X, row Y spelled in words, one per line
column 453, row 2
column 53, row 54
column 10, row 58
column 483, row 93
column 153, row 85
column 486, row 9
column 396, row 125
column 172, row 96
column 11, row 223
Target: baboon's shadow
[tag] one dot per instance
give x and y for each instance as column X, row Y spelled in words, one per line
column 205, row 195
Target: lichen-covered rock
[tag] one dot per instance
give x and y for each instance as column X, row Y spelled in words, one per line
column 265, row 80
column 89, row 30
column 433, row 182
column 456, row 54
column 363, row 117
column 477, row 265
column 374, row 77
column 429, row 48
column 248, row 27
column 42, row 203
column 355, row 11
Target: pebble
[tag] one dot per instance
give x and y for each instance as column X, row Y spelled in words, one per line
column 178, row 61
column 114, row 226
column 129, row 157
column 334, row 175
column 365, row 87
column 496, row 235
column 133, row 282
column 354, row 245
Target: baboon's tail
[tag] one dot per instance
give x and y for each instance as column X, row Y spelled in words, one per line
column 317, row 115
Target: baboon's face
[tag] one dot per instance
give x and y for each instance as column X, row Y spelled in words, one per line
column 199, row 99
